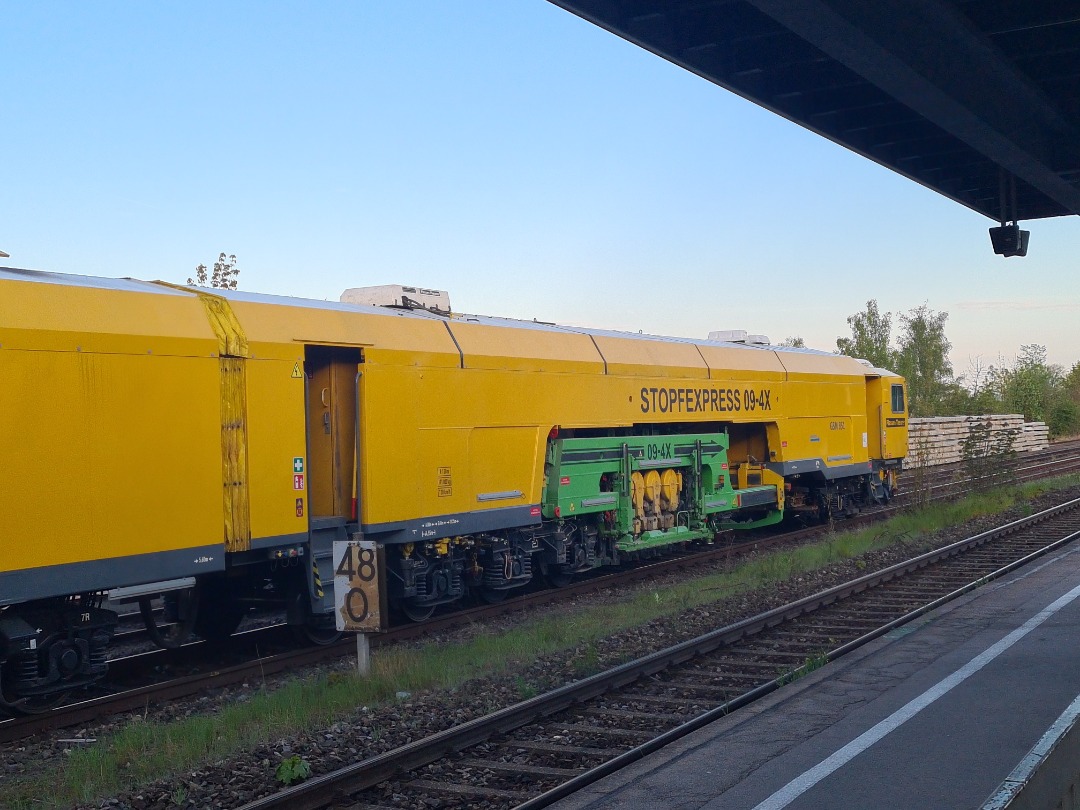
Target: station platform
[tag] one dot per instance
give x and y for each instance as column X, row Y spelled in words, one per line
column 935, row 715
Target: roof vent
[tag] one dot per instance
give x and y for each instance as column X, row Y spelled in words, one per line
column 396, row 295
column 739, row 336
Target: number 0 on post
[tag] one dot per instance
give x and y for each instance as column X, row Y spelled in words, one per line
column 357, row 607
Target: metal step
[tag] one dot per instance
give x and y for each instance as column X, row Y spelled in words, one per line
column 324, row 532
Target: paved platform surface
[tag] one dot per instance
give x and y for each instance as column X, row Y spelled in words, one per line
column 935, row 715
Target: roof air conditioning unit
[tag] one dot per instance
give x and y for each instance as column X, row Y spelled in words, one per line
column 396, row 295
column 739, row 336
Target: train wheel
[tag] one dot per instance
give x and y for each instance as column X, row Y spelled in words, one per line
column 31, row 705
column 555, row 577
column 558, row 579
column 181, row 610
column 14, row 705
column 417, row 613
column 318, row 630
column 319, row 636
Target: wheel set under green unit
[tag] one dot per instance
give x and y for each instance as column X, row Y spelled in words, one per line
column 648, row 491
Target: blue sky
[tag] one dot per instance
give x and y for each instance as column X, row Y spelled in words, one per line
column 507, row 151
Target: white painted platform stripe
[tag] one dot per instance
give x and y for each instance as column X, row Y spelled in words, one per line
column 800, row 784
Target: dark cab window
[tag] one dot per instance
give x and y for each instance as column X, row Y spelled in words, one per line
column 898, row 399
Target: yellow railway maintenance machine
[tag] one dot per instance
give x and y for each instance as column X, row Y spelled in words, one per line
column 208, row 448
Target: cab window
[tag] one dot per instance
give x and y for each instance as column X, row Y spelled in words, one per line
column 898, row 399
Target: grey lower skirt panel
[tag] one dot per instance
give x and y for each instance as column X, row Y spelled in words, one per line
column 757, row 497
column 817, row 465
column 435, row 528
column 101, row 575
column 265, row 543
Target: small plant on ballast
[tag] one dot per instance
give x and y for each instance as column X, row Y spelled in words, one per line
column 293, row 769
column 525, row 689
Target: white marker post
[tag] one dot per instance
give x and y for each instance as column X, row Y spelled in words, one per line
column 363, row 655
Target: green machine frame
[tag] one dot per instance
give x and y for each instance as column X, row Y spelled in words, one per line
column 594, row 479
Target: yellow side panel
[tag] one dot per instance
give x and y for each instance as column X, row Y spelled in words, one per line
column 394, row 445
column 107, row 455
column 824, row 397
column 505, row 348
column 45, row 317
column 504, row 461
column 655, row 358
column 461, row 470
column 836, row 440
column 275, row 439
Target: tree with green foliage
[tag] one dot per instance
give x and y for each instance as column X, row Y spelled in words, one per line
column 1071, row 384
column 1041, row 391
column 958, row 400
column 971, row 393
column 1064, row 418
column 1072, row 381
column 922, row 358
column 1028, row 386
column 795, row 342
column 980, row 385
column 224, row 275
column 1066, row 414
column 871, row 335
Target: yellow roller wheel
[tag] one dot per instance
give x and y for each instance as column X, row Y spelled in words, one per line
column 652, row 489
column 670, row 488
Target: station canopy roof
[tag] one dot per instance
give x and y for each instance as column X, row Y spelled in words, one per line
column 978, row 100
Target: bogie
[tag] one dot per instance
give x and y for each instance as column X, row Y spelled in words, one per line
column 50, row 648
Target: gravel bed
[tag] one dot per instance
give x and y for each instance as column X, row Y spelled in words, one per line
column 372, row 730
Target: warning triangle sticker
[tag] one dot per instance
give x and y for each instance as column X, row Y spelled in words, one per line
column 297, row 373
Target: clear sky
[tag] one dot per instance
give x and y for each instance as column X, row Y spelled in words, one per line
column 505, row 150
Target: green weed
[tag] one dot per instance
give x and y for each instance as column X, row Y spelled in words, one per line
column 812, row 663
column 292, row 769
column 525, row 689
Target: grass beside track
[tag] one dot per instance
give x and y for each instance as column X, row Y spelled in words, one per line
column 143, row 752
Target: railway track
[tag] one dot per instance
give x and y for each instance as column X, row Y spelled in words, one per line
column 127, row 675
column 540, row 750
column 130, row 691
column 951, row 480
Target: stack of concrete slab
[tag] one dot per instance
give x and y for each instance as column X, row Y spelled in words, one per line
column 939, row 439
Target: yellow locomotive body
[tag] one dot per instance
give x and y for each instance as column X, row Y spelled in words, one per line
column 174, row 440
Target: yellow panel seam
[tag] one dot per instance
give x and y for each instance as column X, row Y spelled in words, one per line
column 232, row 350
